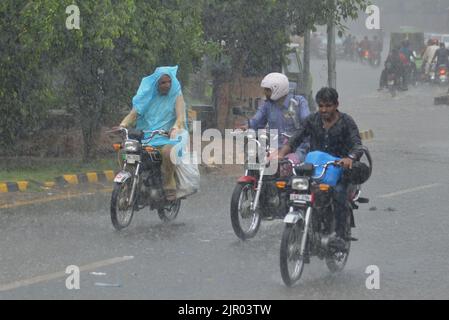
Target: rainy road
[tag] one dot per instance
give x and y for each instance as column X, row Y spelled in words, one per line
column 403, row 231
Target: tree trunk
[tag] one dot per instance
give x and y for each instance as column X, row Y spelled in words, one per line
column 331, row 55
column 223, row 105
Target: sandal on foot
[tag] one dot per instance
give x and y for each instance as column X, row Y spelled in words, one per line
column 170, row 195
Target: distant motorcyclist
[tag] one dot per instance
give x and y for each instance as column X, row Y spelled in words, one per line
column 377, row 47
column 393, row 64
column 429, row 54
column 364, row 45
column 347, row 44
column 441, row 55
column 406, row 55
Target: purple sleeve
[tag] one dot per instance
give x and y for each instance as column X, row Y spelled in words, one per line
column 259, row 121
column 303, row 109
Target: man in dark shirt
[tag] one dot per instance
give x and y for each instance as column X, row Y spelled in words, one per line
column 442, row 55
column 393, row 65
column 335, row 133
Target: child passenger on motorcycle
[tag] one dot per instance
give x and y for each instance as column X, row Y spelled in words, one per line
column 282, row 111
column 159, row 105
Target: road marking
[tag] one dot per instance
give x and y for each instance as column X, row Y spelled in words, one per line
column 399, row 193
column 52, row 198
column 62, row 274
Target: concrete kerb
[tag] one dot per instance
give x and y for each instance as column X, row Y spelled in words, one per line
column 61, row 181
column 74, row 179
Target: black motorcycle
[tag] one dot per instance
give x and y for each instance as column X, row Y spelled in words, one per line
column 310, row 226
column 442, row 75
column 139, row 184
column 394, row 80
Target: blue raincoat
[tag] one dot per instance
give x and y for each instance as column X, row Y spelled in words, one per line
column 155, row 111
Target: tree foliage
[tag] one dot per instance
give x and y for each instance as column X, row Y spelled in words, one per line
column 252, row 35
column 95, row 71
column 307, row 14
column 103, row 62
column 23, row 92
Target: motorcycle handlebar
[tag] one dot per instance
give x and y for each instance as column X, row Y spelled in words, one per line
column 325, row 166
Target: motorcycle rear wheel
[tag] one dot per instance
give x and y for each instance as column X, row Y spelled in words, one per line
column 241, row 202
column 170, row 211
column 291, row 261
column 122, row 211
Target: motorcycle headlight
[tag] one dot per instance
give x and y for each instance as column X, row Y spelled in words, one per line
column 300, row 184
column 132, row 146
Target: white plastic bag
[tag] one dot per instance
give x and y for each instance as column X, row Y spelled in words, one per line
column 187, row 175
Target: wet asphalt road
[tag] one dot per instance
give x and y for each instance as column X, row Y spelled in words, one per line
column 403, row 230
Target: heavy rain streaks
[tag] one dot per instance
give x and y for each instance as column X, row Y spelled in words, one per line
column 61, row 93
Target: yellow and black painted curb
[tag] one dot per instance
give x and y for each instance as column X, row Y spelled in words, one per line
column 61, row 181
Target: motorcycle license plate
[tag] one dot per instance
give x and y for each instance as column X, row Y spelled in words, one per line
column 301, row 197
column 292, row 218
column 391, row 82
column 253, row 166
column 132, row 158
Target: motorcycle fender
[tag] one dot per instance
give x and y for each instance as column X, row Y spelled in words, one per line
column 293, row 217
column 122, row 176
column 247, row 179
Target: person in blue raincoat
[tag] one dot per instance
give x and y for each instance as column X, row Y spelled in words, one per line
column 159, row 105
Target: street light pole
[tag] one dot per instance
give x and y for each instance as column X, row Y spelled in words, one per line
column 331, row 51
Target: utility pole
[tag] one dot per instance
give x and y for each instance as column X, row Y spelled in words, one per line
column 331, row 52
column 306, row 80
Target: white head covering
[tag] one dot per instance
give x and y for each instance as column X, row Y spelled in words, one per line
column 278, row 83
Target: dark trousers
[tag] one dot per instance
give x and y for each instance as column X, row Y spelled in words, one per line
column 341, row 209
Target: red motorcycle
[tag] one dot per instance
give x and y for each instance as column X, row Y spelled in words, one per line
column 259, row 194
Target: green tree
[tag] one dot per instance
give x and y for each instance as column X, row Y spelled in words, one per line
column 251, row 37
column 24, row 95
column 305, row 15
column 103, row 62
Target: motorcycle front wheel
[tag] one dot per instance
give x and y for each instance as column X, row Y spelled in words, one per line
column 122, row 210
column 291, row 260
column 170, row 211
column 336, row 261
column 245, row 221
